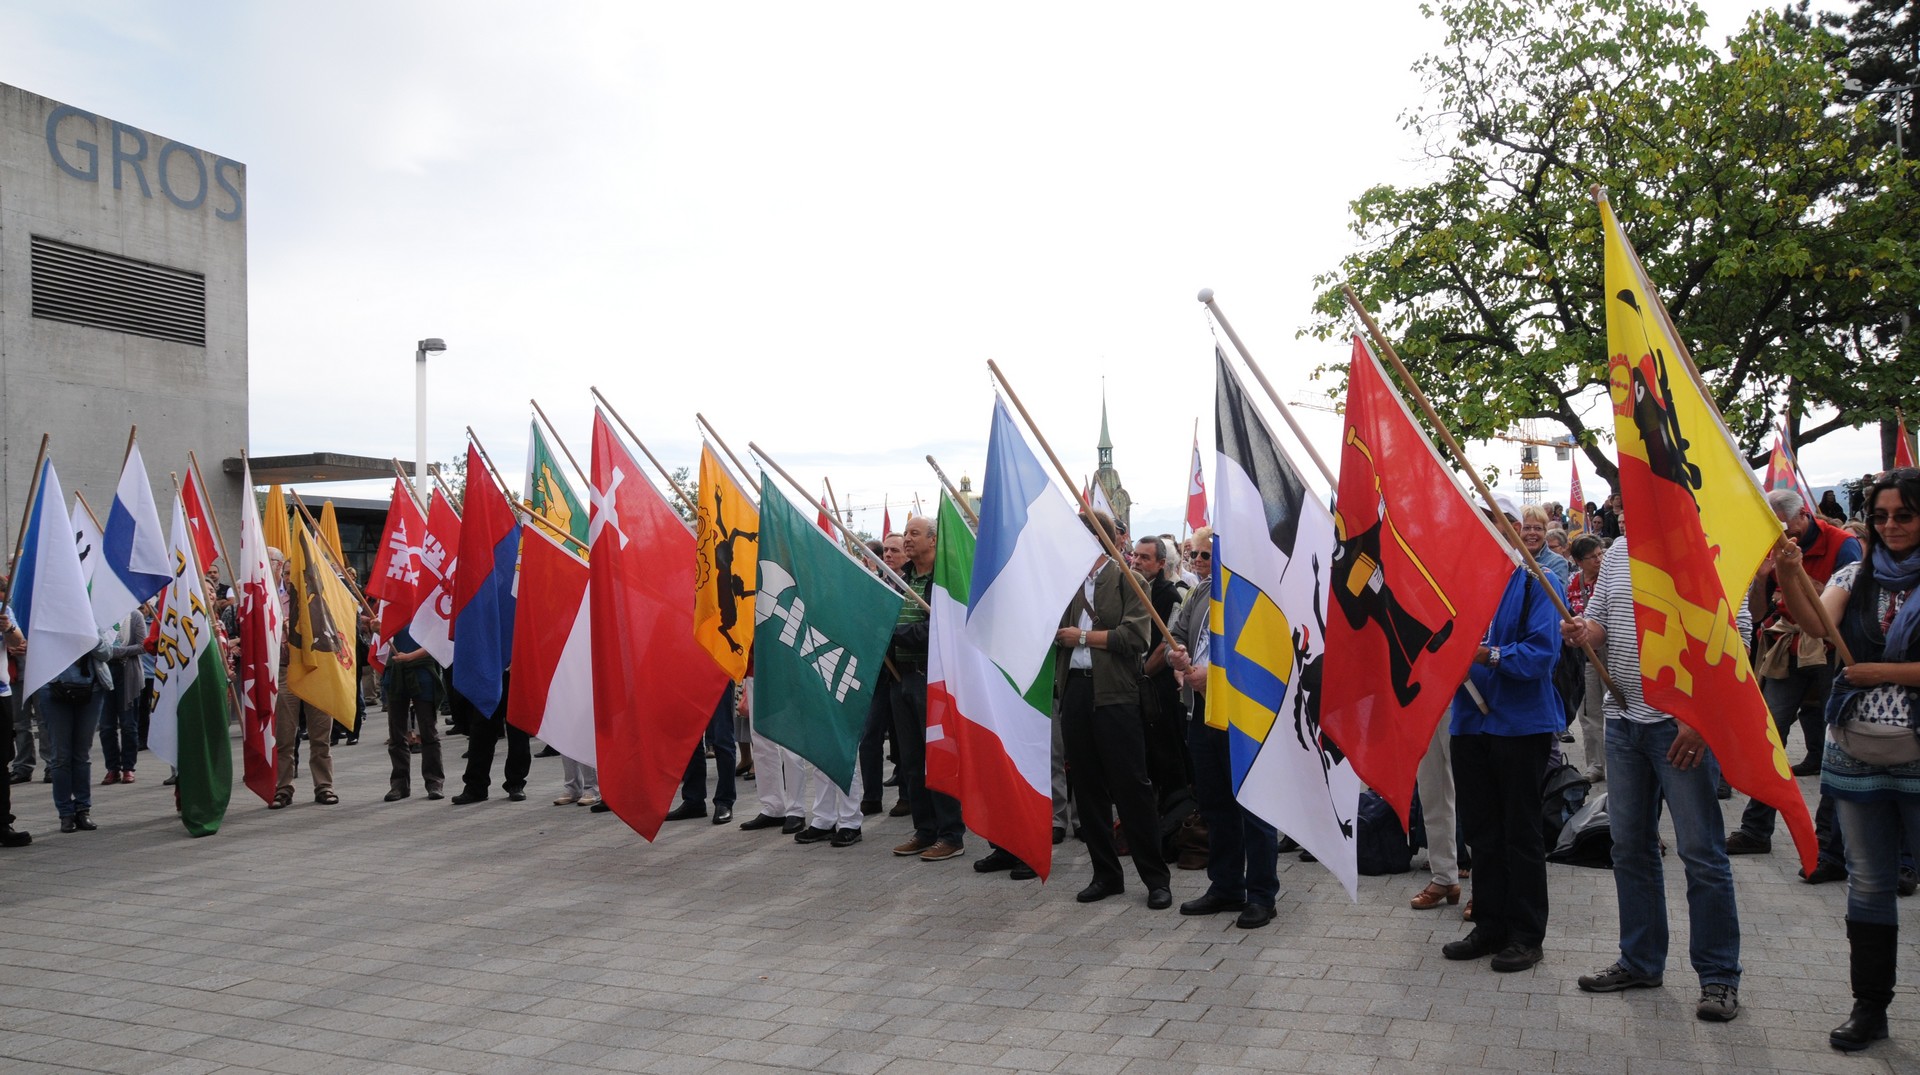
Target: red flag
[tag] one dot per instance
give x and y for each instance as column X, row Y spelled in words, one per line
column 1902, row 448
column 551, row 693
column 654, row 686
column 261, row 632
column 1415, row 580
column 886, row 520
column 194, row 499
column 825, row 520
column 1196, row 491
column 1577, row 521
column 395, row 578
column 432, row 624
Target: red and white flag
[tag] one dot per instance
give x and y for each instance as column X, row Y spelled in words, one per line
column 199, row 510
column 551, row 691
column 395, row 578
column 1196, row 490
column 261, row 632
column 654, row 686
column 432, row 623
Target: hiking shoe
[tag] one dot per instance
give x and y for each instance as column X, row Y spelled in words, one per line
column 1516, row 957
column 1743, row 843
column 1618, row 977
column 1719, row 1003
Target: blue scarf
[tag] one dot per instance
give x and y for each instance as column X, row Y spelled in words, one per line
column 1899, row 575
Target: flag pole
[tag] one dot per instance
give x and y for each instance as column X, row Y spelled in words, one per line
column 200, row 585
column 845, row 534
column 878, row 563
column 1286, row 412
column 213, row 518
column 339, row 568
column 1486, row 495
column 548, row 422
column 681, row 493
column 199, row 579
column 88, row 508
column 1100, row 532
column 408, row 482
column 441, row 484
column 33, row 490
column 131, row 430
column 955, row 494
column 514, row 502
column 737, row 464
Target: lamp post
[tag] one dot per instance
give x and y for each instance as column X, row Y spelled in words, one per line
column 420, row 351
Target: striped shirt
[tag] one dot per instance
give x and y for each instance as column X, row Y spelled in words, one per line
column 1611, row 605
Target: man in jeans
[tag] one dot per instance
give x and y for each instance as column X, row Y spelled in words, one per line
column 1651, row 757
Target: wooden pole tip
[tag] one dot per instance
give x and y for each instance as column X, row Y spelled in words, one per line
column 1599, row 193
column 1206, row 295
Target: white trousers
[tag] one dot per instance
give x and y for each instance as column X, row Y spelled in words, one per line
column 781, row 778
column 833, row 808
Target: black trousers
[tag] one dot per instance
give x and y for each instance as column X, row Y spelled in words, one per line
column 1107, row 762
column 936, row 816
column 726, row 755
column 482, row 733
column 8, row 706
column 1496, row 780
column 427, row 719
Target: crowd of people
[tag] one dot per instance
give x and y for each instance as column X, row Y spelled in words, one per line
column 1139, row 774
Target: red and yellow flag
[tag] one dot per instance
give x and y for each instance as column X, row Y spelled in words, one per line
column 1700, row 528
column 726, row 568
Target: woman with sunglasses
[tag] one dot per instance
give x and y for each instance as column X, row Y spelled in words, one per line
column 1871, row 766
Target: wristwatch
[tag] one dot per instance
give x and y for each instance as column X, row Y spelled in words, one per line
column 1083, row 638
column 1493, row 656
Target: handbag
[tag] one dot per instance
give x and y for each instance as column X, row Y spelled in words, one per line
column 1878, row 744
column 1776, row 651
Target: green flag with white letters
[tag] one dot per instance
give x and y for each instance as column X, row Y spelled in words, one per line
column 821, row 628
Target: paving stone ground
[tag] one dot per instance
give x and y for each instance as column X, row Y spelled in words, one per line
column 501, row 938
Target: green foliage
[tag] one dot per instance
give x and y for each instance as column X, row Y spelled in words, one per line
column 1778, row 228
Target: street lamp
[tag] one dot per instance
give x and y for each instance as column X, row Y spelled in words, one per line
column 432, row 343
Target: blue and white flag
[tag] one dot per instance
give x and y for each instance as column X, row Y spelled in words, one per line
column 133, row 566
column 1033, row 553
column 49, row 595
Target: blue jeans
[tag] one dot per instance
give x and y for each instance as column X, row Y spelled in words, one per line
column 70, row 728
column 1242, row 851
column 1875, row 833
column 1638, row 779
column 119, row 734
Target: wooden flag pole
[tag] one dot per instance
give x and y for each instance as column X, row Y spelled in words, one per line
column 845, row 534
column 20, row 541
column 81, row 498
column 213, row 519
column 1286, row 412
column 339, row 568
column 966, row 508
column 642, row 445
column 1098, row 531
column 520, row 507
column 1479, row 483
column 446, row 490
column 401, row 473
column 548, row 422
column 128, row 454
column 737, row 464
column 865, row 552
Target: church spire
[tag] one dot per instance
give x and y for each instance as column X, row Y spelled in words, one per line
column 1106, row 439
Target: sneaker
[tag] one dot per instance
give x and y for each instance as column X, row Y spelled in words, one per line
column 913, row 846
column 941, row 851
column 565, row 800
column 1515, row 957
column 589, row 800
column 1719, row 1003
column 1618, row 977
column 844, row 837
column 1594, row 775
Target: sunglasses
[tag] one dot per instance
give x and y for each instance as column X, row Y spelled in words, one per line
column 1203, row 556
column 1903, row 517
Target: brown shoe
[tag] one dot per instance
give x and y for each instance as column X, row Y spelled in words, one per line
column 112, row 777
column 126, row 776
column 1434, row 895
column 900, row 809
column 944, row 849
column 913, row 846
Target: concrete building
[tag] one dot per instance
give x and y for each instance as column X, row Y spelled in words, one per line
column 123, row 301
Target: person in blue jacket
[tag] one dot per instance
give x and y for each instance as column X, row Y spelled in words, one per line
column 1499, row 755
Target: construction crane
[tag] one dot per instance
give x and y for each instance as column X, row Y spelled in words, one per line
column 1533, row 485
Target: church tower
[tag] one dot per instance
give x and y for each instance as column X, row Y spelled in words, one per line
column 1107, row 479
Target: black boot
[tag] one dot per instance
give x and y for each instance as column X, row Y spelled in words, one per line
column 1875, row 951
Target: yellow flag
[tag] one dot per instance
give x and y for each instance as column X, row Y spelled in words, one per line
column 727, row 567
column 273, row 522
column 321, row 628
column 1698, row 528
column 330, row 532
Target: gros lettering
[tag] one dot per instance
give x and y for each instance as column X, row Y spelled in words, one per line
column 182, row 172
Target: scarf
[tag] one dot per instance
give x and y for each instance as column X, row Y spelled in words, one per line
column 1897, row 576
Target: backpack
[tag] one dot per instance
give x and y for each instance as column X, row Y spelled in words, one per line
column 1563, row 791
column 1381, row 846
column 1587, row 837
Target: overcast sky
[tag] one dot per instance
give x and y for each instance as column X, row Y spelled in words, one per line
column 813, row 223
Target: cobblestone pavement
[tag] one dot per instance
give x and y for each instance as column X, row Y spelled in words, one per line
column 502, row 937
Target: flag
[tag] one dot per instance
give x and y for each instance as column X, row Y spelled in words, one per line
column 262, row 632
column 821, row 628
column 726, row 570
column 320, row 631
column 1101, row 503
column 1902, row 448
column 278, row 534
column 549, row 492
column 1577, row 506
column 190, row 715
column 1196, row 490
column 989, row 743
column 132, row 567
column 330, row 532
column 199, row 508
column 1273, row 554
column 825, row 518
column 1417, row 574
column 654, row 688
column 483, row 590
column 886, row 519
column 49, row 590
column 551, row 692
column 1033, row 553
column 1783, row 471
column 432, row 623
column 394, row 580
column 1701, row 528
column 87, row 540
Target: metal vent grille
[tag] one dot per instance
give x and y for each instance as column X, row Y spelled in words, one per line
column 106, row 291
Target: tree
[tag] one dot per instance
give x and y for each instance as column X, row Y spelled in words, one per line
column 454, row 476
column 684, row 477
column 1780, row 236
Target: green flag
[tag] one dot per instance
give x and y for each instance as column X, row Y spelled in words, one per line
column 821, row 628
column 548, row 491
